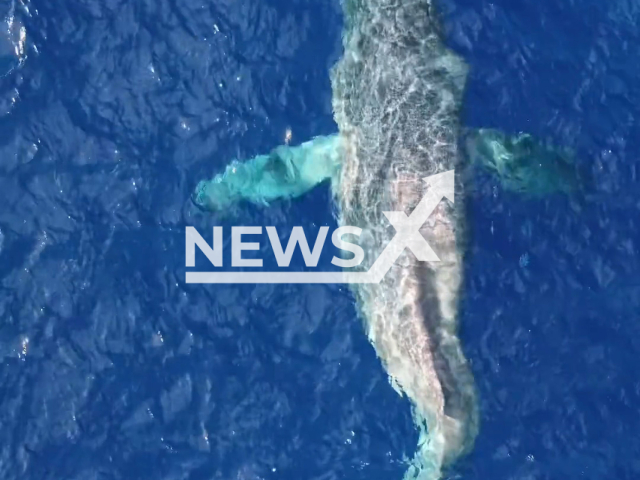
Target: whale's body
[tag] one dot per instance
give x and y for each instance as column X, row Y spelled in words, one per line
column 397, row 93
column 397, row 96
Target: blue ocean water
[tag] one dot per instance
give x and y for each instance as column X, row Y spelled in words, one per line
column 113, row 368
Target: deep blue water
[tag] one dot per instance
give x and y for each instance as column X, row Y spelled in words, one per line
column 113, row 368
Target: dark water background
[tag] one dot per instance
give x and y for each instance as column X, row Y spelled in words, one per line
column 113, row 368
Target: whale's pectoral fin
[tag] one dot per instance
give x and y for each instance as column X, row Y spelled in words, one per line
column 522, row 163
column 287, row 172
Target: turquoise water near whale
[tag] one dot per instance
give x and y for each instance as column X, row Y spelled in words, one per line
column 112, row 367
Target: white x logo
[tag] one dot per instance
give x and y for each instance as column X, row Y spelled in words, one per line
column 408, row 227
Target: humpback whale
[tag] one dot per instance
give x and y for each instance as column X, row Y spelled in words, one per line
column 397, row 94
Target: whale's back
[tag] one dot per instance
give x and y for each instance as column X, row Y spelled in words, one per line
column 396, row 96
column 397, row 92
